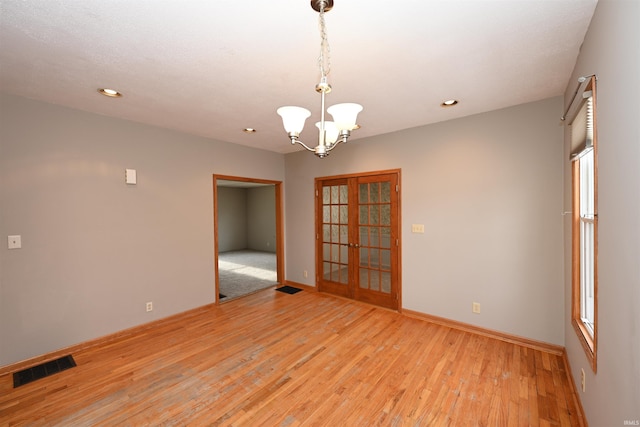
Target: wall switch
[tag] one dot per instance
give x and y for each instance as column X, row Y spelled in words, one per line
column 14, row 242
column 149, row 306
column 475, row 307
column 417, row 228
column 305, row 274
column 130, row 176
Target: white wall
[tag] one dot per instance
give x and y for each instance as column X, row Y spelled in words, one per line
column 232, row 219
column 488, row 189
column 611, row 50
column 94, row 249
column 247, row 218
column 261, row 218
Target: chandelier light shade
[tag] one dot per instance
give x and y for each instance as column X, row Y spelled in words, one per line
column 330, row 134
column 293, row 119
column 345, row 115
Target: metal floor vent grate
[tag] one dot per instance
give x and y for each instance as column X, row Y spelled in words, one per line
column 43, row 370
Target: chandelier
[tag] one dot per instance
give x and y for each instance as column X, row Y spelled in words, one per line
column 331, row 133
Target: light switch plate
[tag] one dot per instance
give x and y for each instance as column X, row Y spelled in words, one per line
column 417, row 228
column 14, row 242
column 130, row 176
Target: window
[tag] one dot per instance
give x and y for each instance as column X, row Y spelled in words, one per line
column 585, row 223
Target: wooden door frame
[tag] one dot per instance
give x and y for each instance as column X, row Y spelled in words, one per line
column 318, row 263
column 279, row 225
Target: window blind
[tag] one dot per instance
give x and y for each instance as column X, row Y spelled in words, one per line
column 582, row 128
column 582, row 125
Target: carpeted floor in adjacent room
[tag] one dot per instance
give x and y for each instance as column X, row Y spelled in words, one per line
column 245, row 271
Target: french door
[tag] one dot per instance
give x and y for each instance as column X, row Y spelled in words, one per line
column 357, row 237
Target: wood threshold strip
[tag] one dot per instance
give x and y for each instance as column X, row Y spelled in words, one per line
column 276, row 359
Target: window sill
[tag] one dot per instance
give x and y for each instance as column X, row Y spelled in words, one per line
column 588, row 344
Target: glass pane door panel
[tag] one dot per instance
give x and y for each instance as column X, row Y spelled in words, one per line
column 326, row 270
column 335, row 253
column 335, row 233
column 344, row 274
column 335, row 214
column 385, row 259
column 364, row 257
column 374, row 220
column 385, row 214
column 344, row 195
column 374, row 214
column 385, row 279
column 364, row 278
column 326, row 195
column 385, row 192
column 363, row 193
column 364, row 214
column 374, row 280
column 326, row 233
column 344, row 254
column 385, row 238
column 374, row 237
column 344, row 234
column 326, row 214
column 335, row 273
column 374, row 192
column 374, row 258
column 335, row 193
column 364, row 236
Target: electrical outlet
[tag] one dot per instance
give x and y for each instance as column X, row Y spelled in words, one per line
column 149, row 306
column 14, row 242
column 475, row 307
column 583, row 381
column 305, row 274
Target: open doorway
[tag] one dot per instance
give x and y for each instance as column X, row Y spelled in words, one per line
column 247, row 235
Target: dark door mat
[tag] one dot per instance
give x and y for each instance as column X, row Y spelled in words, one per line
column 44, row 370
column 288, row 289
column 220, row 296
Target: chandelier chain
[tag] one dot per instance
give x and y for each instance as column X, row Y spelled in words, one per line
column 324, row 60
column 331, row 133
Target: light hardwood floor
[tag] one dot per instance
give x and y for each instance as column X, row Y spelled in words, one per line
column 275, row 359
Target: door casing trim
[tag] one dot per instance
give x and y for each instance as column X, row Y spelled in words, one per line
column 279, row 225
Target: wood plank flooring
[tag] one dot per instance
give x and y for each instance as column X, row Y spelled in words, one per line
column 275, row 359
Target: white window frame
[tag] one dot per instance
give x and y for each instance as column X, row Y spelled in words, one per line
column 587, row 237
column 584, row 306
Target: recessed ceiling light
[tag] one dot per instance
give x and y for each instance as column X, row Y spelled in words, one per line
column 110, row 92
column 449, row 103
column 249, row 130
